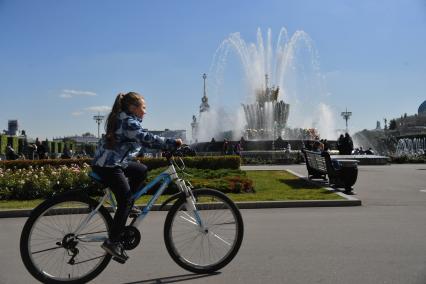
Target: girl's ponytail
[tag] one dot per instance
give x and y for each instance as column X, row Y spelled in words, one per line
column 117, row 107
column 111, row 122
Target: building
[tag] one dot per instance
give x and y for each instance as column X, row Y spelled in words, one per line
column 204, row 107
column 411, row 125
column 171, row 134
column 86, row 138
column 12, row 128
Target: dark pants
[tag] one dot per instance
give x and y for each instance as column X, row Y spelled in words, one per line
column 115, row 179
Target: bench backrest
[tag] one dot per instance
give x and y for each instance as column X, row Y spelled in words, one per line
column 316, row 161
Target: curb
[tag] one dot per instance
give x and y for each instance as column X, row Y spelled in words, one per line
column 348, row 201
column 16, row 213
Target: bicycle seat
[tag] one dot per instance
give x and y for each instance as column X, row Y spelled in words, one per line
column 95, row 177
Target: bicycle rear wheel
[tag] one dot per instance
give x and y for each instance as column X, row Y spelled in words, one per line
column 50, row 249
column 204, row 250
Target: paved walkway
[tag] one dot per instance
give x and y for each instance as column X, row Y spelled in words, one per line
column 383, row 241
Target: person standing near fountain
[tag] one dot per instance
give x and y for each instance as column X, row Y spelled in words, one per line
column 225, row 147
column 237, row 148
column 348, row 144
column 340, row 144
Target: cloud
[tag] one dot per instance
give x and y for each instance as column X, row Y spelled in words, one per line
column 93, row 109
column 99, row 109
column 67, row 94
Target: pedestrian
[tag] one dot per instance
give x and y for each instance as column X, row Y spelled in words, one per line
column 41, row 152
column 340, row 144
column 225, row 147
column 348, row 144
column 237, row 148
column 67, row 153
column 10, row 153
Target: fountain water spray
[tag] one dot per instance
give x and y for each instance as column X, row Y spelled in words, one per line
column 293, row 76
column 411, row 147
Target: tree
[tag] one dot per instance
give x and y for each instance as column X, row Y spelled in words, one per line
column 392, row 124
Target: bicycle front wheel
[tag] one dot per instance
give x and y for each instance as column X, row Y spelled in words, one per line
column 52, row 250
column 206, row 248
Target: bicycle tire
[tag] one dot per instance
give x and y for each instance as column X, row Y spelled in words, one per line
column 219, row 235
column 48, row 209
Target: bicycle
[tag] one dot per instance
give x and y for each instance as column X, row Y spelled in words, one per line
column 60, row 241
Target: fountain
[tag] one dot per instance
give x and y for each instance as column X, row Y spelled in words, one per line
column 411, row 147
column 267, row 117
column 275, row 77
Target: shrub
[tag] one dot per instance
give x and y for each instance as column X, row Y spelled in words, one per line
column 3, row 144
column 43, row 182
column 408, row 159
column 49, row 177
column 220, row 162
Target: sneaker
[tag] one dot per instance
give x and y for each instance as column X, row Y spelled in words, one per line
column 134, row 212
column 116, row 250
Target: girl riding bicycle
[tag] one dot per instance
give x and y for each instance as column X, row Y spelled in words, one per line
column 112, row 162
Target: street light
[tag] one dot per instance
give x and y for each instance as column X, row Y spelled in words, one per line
column 98, row 118
column 346, row 115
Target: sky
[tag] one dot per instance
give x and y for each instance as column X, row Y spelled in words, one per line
column 63, row 61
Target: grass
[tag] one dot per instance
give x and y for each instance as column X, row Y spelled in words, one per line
column 269, row 186
column 281, row 185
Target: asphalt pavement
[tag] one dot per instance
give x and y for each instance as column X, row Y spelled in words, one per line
column 382, row 241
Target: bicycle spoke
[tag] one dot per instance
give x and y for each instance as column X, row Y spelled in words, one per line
column 56, row 252
column 220, row 238
column 208, row 247
column 45, row 250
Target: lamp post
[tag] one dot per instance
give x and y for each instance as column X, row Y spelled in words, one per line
column 98, row 118
column 346, row 115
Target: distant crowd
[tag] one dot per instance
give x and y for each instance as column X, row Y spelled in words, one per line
column 37, row 151
column 230, row 149
column 32, row 151
column 345, row 146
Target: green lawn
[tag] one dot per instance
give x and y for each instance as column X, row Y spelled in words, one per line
column 281, row 185
column 269, row 186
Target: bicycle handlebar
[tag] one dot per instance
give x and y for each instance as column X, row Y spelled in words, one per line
column 178, row 152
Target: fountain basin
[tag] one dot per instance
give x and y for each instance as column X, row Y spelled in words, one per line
column 364, row 159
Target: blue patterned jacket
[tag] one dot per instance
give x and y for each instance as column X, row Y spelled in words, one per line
column 130, row 137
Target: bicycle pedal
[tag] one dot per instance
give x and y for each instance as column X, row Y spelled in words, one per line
column 119, row 260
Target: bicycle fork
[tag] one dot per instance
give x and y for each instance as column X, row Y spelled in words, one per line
column 193, row 216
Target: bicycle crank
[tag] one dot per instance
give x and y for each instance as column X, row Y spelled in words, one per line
column 130, row 238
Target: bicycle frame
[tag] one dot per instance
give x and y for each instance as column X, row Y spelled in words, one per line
column 165, row 178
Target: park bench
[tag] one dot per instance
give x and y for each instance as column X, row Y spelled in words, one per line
column 341, row 173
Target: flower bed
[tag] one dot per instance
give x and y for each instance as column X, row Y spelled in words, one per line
column 42, row 182
column 219, row 162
